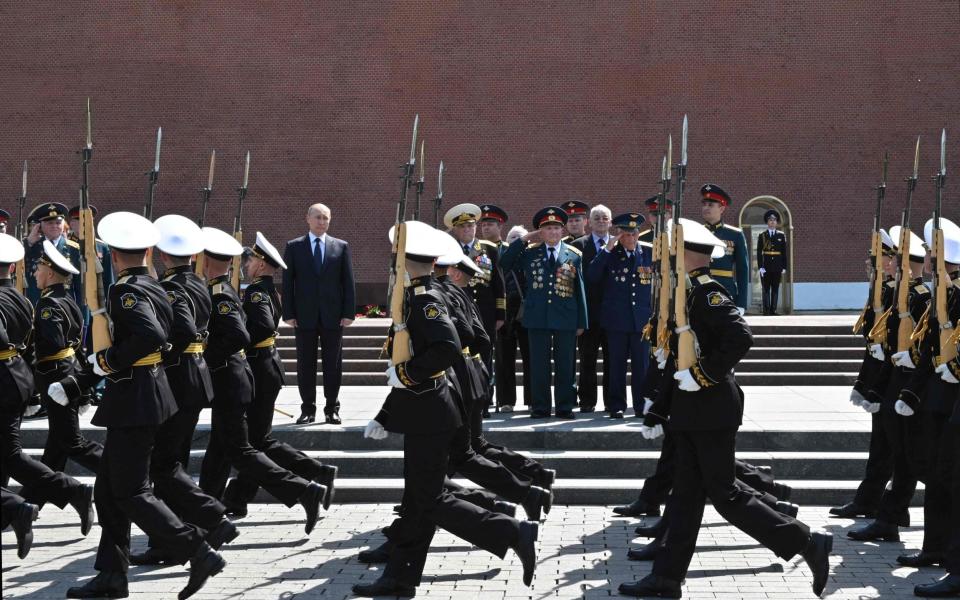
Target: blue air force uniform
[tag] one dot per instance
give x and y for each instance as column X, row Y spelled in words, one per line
column 625, row 279
column 554, row 308
column 34, row 253
column 732, row 270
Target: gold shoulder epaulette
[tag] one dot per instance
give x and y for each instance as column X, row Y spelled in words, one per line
column 72, row 243
column 704, row 279
column 216, row 289
column 419, row 290
column 538, row 244
column 732, row 227
column 891, row 284
column 124, row 279
column 487, row 243
column 574, row 249
column 921, row 289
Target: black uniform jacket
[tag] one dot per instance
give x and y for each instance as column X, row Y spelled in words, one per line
column 488, row 290
column 57, row 329
column 425, row 405
column 228, row 337
column 471, row 380
column 925, row 388
column 184, row 363
column 918, row 298
column 772, row 251
column 261, row 305
column 16, row 325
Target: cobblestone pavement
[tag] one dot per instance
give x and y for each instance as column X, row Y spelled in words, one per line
column 582, row 554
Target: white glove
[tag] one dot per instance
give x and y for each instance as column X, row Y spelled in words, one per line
column 392, row 379
column 651, row 433
column 871, row 407
column 902, row 359
column 762, row 271
column 857, row 399
column 741, row 310
column 903, row 409
column 945, row 374
column 647, row 405
column 82, row 409
column 92, row 359
column 876, row 351
column 375, row 430
column 686, row 381
column 660, row 354
column 31, row 410
column 57, row 393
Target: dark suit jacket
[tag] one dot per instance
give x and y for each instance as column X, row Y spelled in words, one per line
column 318, row 299
column 594, row 292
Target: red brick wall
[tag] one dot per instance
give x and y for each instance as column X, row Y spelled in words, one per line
column 527, row 103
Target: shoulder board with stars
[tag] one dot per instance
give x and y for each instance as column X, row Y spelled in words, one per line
column 73, row 244
column 574, row 249
column 487, row 243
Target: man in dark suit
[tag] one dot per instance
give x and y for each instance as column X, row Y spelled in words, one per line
column 594, row 338
column 319, row 301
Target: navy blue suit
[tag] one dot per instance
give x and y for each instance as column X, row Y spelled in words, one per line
column 318, row 296
column 624, row 311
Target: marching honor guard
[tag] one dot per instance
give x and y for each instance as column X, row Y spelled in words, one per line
column 262, row 309
column 554, row 309
column 233, row 394
column 732, row 270
column 47, row 223
column 771, row 260
column 137, row 399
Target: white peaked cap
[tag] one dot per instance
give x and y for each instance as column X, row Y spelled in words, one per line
column 886, row 240
column 216, row 241
column 696, row 233
column 263, row 246
column 128, row 231
column 916, row 244
column 11, row 249
column 951, row 239
column 461, row 213
column 53, row 255
column 422, row 239
column 179, row 236
column 454, row 255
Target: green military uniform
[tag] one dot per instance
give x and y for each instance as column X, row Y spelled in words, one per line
column 732, row 270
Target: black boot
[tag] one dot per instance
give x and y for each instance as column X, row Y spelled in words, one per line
column 224, row 533
column 327, row 478
column 637, row 508
column 785, row 508
column 546, row 479
column 83, row 503
column 782, row 491
column 385, row 586
column 23, row 527
column 947, row 587
column 236, row 508
column 152, row 557
column 526, row 549
column 378, row 555
column 651, row 585
column 311, row 499
column 538, row 500
column 877, row 531
column 205, row 564
column 505, row 508
column 817, row 556
column 852, row 510
column 651, row 531
column 107, row 584
column 647, row 552
column 920, row 559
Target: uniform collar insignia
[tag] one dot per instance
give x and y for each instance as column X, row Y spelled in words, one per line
column 216, row 280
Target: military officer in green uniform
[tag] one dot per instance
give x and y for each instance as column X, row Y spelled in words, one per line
column 47, row 222
column 554, row 308
column 732, row 270
column 492, row 220
column 578, row 213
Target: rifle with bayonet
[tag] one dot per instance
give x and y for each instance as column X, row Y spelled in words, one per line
column 238, row 224
column 439, row 199
column 905, row 324
column 419, row 185
column 686, row 351
column 948, row 329
column 873, row 307
column 21, row 233
column 152, row 177
column 657, row 331
column 205, row 199
column 90, row 267
column 398, row 339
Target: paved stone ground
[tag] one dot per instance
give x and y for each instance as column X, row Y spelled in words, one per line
column 582, row 554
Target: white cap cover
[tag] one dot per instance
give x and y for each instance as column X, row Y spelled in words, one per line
column 422, row 239
column 264, row 246
column 696, row 233
column 179, row 236
column 886, row 240
column 60, row 261
column 220, row 242
column 11, row 250
column 128, row 231
column 916, row 244
column 453, row 255
column 951, row 239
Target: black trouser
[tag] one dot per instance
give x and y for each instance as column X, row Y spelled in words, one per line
column 512, row 334
column 490, row 326
column 589, row 345
column 952, row 560
column 10, row 504
column 331, row 357
column 123, row 495
column 39, row 482
column 267, row 382
column 64, row 440
column 770, row 282
column 706, row 469
column 937, row 475
column 879, row 466
column 476, row 496
column 486, row 473
column 427, row 506
column 903, row 434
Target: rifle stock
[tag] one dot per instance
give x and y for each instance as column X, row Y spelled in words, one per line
column 93, row 292
column 686, row 350
column 400, row 337
column 948, row 346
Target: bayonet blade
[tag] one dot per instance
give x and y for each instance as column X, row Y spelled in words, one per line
column 916, row 159
column 413, row 142
column 669, row 151
column 440, row 181
column 683, row 143
column 943, row 152
column 246, row 171
column 156, row 158
column 422, row 162
column 213, row 160
column 663, row 169
column 23, row 192
column 89, row 127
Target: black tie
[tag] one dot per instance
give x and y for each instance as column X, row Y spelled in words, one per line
column 600, row 245
column 552, row 260
column 317, row 254
column 466, row 249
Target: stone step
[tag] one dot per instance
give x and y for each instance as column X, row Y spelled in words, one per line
column 808, row 341
column 824, row 353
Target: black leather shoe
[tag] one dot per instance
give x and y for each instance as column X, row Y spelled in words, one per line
column 947, row 587
column 152, row 557
column 877, row 531
column 637, row 508
column 107, row 584
column 376, row 556
column 646, row 552
column 311, row 499
column 83, row 503
column 540, row 414
column 23, row 527
column 851, row 510
column 205, row 564
column 305, row 418
column 486, row 413
column 566, row 414
column 651, row 531
column 546, row 479
column 333, row 418
column 651, row 585
column 616, row 414
column 817, row 556
column 327, row 478
column 782, row 491
column 505, row 508
column 538, row 501
column 920, row 559
column 786, row 508
column 587, row 409
column 224, row 533
column 526, row 549
column 385, row 586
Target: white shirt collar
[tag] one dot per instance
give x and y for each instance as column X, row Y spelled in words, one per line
column 555, row 248
column 597, row 238
column 314, row 238
column 771, row 232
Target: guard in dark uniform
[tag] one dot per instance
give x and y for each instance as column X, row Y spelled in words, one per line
column 47, row 222
column 233, row 393
column 706, row 409
column 422, row 408
column 771, row 260
column 487, row 289
column 261, row 306
column 732, row 270
column 578, row 213
column 624, row 273
column 189, row 379
column 136, row 401
column 40, row 483
column 58, row 327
